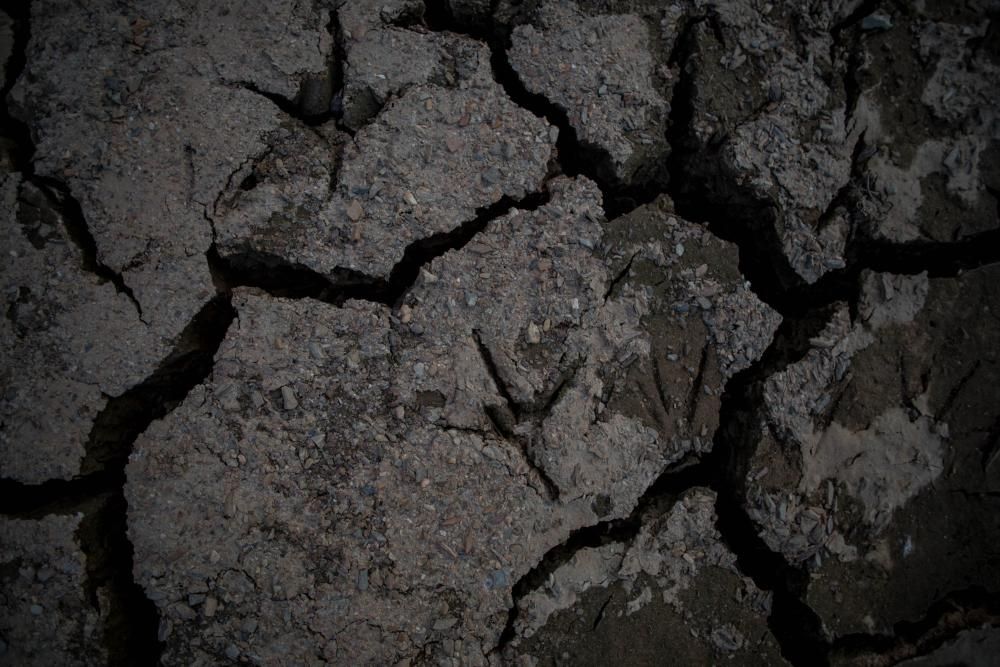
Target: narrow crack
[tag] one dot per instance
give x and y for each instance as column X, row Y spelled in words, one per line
column 56, row 197
column 280, row 277
column 125, row 417
column 575, row 157
column 796, row 627
column 55, row 496
column 337, row 60
column 941, row 259
column 131, row 620
column 421, row 253
column 966, row 609
column 20, row 145
column 657, row 499
column 50, row 194
column 852, row 19
column 703, row 193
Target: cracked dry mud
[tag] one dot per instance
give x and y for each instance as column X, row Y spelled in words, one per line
column 467, row 332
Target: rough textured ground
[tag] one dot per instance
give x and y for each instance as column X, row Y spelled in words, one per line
column 467, row 332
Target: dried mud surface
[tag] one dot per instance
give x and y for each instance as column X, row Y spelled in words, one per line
column 483, row 332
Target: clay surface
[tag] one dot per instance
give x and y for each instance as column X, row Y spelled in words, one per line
column 455, row 332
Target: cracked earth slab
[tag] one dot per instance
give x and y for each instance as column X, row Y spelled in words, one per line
column 400, row 332
column 675, row 568
column 880, row 428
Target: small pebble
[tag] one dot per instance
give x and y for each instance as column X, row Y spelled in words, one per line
column 288, row 398
column 210, row 607
column 354, row 210
column 257, row 398
column 184, row 612
column 445, row 623
column 876, row 22
column 232, row 652
column 409, row 198
column 679, row 249
column 534, row 335
column 491, row 176
column 497, row 579
column 36, row 610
